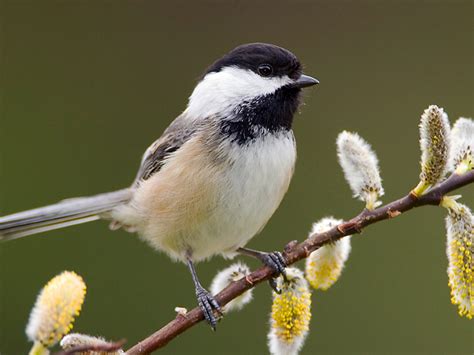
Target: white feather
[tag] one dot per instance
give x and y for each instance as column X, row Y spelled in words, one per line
column 250, row 192
column 255, row 185
column 220, row 92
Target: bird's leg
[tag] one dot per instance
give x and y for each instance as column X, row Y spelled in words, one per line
column 273, row 260
column 206, row 301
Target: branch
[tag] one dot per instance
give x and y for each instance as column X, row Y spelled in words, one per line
column 295, row 252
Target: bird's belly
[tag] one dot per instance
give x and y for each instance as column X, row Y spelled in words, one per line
column 256, row 184
column 202, row 208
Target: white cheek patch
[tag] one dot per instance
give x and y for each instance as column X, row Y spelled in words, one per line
column 219, row 93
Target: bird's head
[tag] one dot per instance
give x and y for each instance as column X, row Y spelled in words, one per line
column 251, row 79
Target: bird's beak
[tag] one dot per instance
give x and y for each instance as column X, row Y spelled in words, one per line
column 305, row 81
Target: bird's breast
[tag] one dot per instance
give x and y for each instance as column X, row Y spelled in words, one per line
column 256, row 181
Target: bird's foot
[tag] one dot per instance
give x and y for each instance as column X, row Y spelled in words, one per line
column 273, row 260
column 208, row 305
column 276, row 262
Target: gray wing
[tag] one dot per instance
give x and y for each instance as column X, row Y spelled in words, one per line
column 177, row 133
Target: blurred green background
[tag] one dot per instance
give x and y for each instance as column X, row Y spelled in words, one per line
column 86, row 86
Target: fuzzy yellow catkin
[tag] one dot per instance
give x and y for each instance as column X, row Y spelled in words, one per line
column 74, row 340
column 462, row 151
column 361, row 168
column 324, row 266
column 223, row 278
column 291, row 314
column 460, row 252
column 435, row 147
column 53, row 313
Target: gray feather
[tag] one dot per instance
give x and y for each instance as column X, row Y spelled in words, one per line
column 178, row 133
column 62, row 214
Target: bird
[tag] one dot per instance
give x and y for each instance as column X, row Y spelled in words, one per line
column 216, row 175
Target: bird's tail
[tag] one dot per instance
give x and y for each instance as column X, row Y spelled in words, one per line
column 62, row 214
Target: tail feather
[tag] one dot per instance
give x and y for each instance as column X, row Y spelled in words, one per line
column 62, row 214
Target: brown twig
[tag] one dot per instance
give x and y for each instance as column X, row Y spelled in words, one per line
column 295, row 252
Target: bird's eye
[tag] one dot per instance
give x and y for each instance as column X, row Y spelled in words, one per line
column 265, row 69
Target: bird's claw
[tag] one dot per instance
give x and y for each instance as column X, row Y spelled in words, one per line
column 274, row 261
column 277, row 263
column 208, row 304
column 273, row 284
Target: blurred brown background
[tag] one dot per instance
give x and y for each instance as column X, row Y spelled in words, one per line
column 86, row 86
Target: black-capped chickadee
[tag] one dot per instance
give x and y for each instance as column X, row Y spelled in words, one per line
column 216, row 175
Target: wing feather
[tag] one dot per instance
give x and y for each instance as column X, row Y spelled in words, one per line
column 177, row 133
